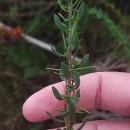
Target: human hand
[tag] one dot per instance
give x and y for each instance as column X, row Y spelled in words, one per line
column 103, row 90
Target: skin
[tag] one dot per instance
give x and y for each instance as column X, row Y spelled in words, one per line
column 103, row 90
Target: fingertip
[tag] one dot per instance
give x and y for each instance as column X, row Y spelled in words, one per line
column 30, row 107
column 35, row 107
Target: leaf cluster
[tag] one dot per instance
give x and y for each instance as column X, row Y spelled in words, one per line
column 63, row 23
column 69, row 72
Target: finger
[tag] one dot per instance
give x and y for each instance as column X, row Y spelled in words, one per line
column 107, row 90
column 105, row 125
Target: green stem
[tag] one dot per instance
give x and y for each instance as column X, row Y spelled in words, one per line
column 69, row 122
column 69, row 40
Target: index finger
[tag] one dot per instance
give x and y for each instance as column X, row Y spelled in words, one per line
column 104, row 90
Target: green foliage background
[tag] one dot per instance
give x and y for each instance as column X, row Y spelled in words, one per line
column 105, row 30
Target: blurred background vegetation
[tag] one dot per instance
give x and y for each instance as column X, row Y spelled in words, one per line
column 105, row 33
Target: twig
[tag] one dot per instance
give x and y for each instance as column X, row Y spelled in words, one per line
column 34, row 41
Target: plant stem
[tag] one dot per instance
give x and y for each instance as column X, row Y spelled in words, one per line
column 69, row 42
column 69, row 122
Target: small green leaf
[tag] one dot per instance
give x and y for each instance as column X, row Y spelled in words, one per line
column 76, row 2
column 76, row 8
column 81, row 10
column 53, row 118
column 82, row 68
column 80, row 112
column 53, row 69
column 74, row 29
column 84, row 121
column 62, row 18
column 76, row 42
column 74, row 56
column 65, row 41
column 64, row 69
column 76, row 98
column 64, row 7
column 62, row 77
column 84, row 60
column 56, row 94
column 55, row 51
column 58, row 23
column 83, row 109
column 77, row 95
column 76, row 78
column 62, row 112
